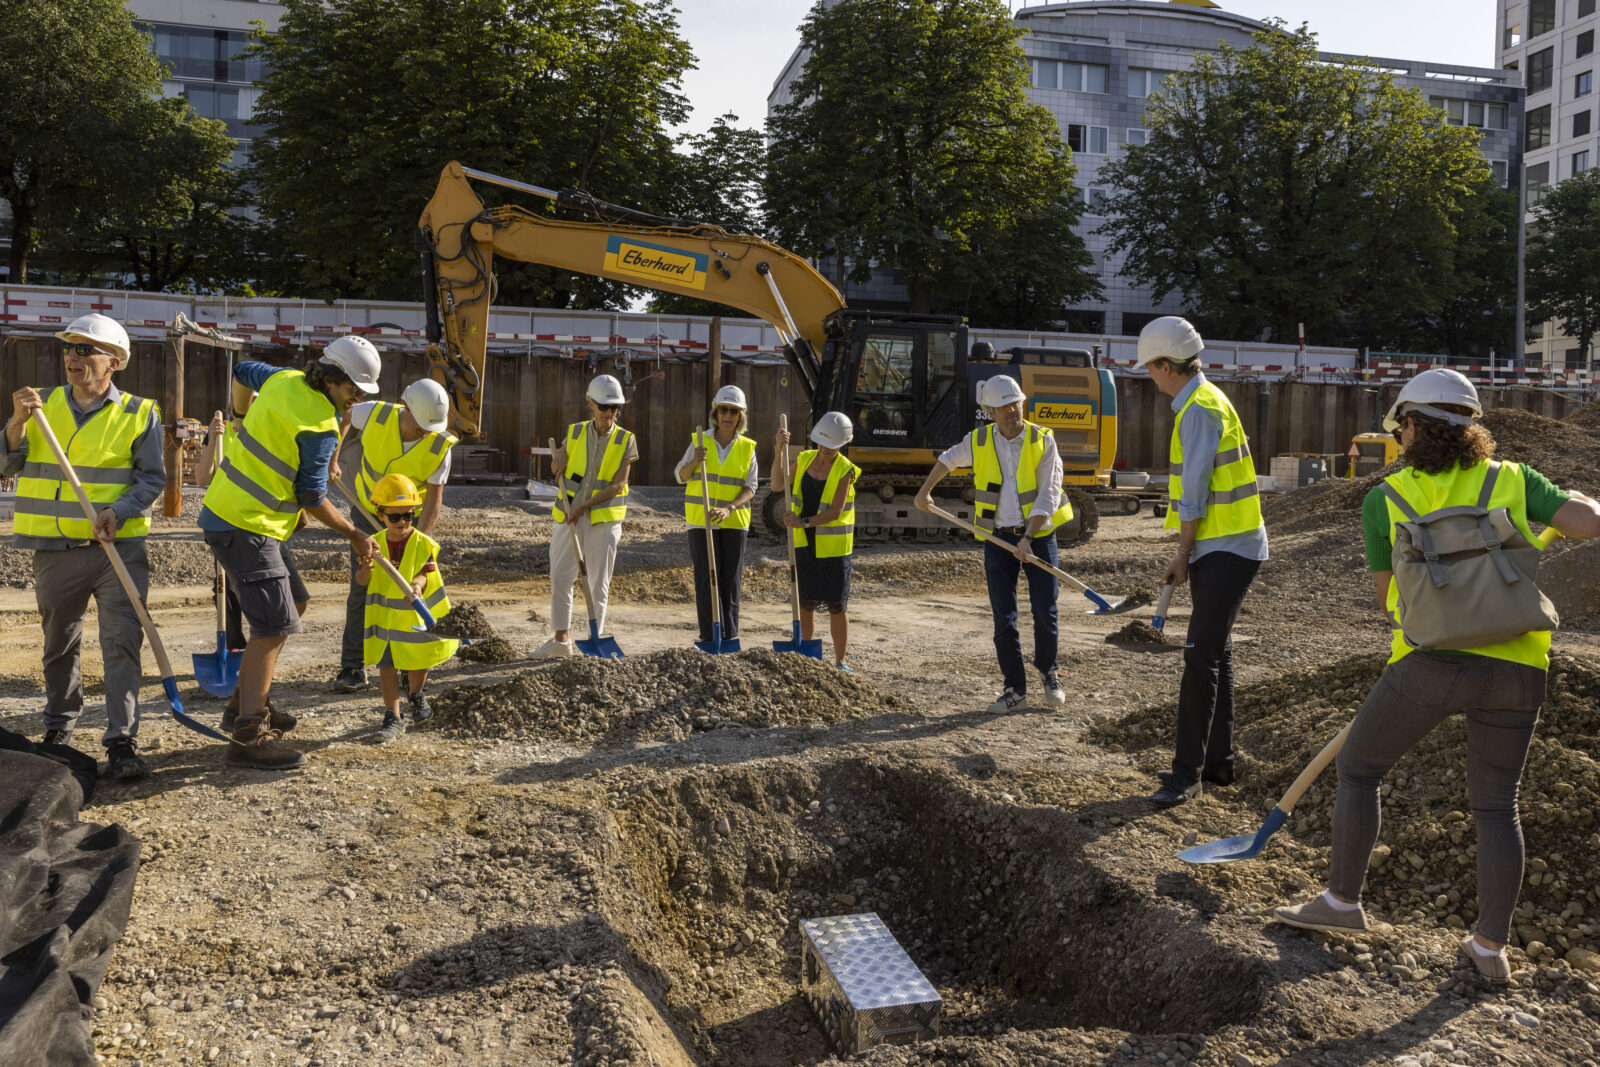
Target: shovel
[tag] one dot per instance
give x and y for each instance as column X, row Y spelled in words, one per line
column 169, row 682
column 1160, row 620
column 417, row 604
column 716, row 644
column 1102, row 606
column 603, row 647
column 813, row 647
column 1247, row 845
column 218, row 672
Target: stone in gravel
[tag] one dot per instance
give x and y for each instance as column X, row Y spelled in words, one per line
column 1522, row 1018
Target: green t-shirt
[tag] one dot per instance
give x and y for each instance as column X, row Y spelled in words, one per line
column 1544, row 500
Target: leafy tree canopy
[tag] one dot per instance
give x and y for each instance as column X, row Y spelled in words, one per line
column 910, row 143
column 1563, row 261
column 1277, row 189
column 367, row 100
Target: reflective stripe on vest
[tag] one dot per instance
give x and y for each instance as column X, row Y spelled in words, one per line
column 987, row 477
column 389, row 616
column 836, row 538
column 254, row 485
column 1429, row 492
column 100, row 451
column 1233, row 504
column 384, row 451
column 615, row 509
column 725, row 480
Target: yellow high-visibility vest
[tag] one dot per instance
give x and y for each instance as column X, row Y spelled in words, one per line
column 836, row 538
column 725, row 480
column 383, row 451
column 1233, row 505
column 1429, row 492
column 253, row 488
column 986, row 477
column 100, row 451
column 390, row 617
column 615, row 509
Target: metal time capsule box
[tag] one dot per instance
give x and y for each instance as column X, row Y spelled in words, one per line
column 862, row 985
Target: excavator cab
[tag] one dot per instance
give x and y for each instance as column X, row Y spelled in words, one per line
column 901, row 378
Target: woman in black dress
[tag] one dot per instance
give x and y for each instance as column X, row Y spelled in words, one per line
column 823, row 521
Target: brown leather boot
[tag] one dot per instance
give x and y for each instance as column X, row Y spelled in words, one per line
column 281, row 721
column 255, row 744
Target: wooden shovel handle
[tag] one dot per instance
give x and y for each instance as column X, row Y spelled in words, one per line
column 788, row 509
column 1317, row 765
column 1035, row 560
column 711, row 545
column 1165, row 600
column 577, row 545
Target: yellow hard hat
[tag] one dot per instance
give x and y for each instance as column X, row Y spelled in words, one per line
column 395, row 491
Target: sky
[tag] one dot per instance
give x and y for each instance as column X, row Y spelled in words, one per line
column 742, row 45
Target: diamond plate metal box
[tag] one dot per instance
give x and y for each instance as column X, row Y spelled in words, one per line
column 862, row 985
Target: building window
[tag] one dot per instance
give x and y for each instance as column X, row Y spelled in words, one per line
column 1585, row 7
column 1513, row 36
column 1585, row 42
column 1538, row 128
column 1541, row 69
column 1472, row 113
column 1538, row 180
column 1583, row 84
column 1580, row 162
column 1074, row 77
column 1144, row 82
column 1580, row 124
column 1498, row 168
column 1090, row 139
column 1134, row 321
column 1137, row 136
column 209, row 55
column 1574, row 359
column 1097, row 195
column 1541, row 17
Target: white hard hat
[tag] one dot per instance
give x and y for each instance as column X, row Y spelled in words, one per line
column 1168, row 337
column 833, row 430
column 999, row 391
column 102, row 330
column 428, row 404
column 357, row 358
column 1437, row 386
column 729, row 396
column 605, row 389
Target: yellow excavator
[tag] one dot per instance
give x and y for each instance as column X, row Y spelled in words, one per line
column 908, row 382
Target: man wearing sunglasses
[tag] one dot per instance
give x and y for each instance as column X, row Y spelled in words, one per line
column 113, row 441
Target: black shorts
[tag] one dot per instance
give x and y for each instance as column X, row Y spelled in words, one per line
column 254, row 564
column 235, row 620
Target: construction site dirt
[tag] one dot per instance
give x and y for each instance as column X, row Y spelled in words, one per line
column 606, row 862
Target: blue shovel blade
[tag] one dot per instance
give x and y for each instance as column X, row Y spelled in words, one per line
column 812, row 648
column 718, row 643
column 601, row 647
column 1236, row 848
column 428, row 621
column 218, row 672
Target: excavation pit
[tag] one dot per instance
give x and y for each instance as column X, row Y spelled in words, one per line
column 998, row 904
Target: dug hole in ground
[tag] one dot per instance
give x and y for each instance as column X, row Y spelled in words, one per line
column 606, row 862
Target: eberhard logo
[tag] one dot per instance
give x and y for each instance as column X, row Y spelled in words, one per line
column 656, row 263
column 1063, row 414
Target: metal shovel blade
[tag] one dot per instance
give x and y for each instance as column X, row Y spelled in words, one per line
column 218, row 672
column 718, row 643
column 812, row 648
column 601, row 647
column 1102, row 606
column 1236, row 848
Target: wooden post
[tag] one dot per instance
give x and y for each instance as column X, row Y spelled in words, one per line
column 172, row 410
column 714, row 362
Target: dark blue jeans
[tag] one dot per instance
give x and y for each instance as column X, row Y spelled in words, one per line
column 1000, row 569
column 1218, row 582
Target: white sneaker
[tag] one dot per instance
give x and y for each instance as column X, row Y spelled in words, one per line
column 1053, row 693
column 1010, row 700
column 553, row 649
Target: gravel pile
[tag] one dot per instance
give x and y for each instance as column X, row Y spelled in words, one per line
column 664, row 695
column 1424, row 867
column 465, row 620
column 1139, row 632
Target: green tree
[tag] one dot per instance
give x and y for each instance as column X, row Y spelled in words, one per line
column 80, row 91
column 367, row 100
column 1277, row 189
column 1478, row 281
column 910, row 143
column 1563, row 258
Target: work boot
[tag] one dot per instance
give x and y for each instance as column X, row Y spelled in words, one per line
column 255, row 744
column 393, row 726
column 553, row 649
column 420, row 712
column 122, row 761
column 1493, row 967
column 351, row 680
column 1010, row 700
column 1318, row 914
column 1174, row 791
column 62, row 736
column 1053, row 693
column 281, row 721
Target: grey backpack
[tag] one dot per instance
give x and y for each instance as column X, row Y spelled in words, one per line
column 1466, row 576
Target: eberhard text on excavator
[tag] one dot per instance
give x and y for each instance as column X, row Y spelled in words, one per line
column 908, row 382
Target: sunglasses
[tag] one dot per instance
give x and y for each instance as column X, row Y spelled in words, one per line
column 608, row 408
column 84, row 350
column 399, row 516
column 729, row 411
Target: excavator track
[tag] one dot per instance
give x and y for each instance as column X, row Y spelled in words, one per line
column 885, row 514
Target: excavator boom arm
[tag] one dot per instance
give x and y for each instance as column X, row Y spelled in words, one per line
column 459, row 238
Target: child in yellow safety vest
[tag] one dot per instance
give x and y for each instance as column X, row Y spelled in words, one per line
column 390, row 641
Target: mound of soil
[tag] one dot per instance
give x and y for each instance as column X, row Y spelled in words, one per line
column 1139, row 632
column 664, row 695
column 465, row 620
column 1424, row 866
column 489, row 650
